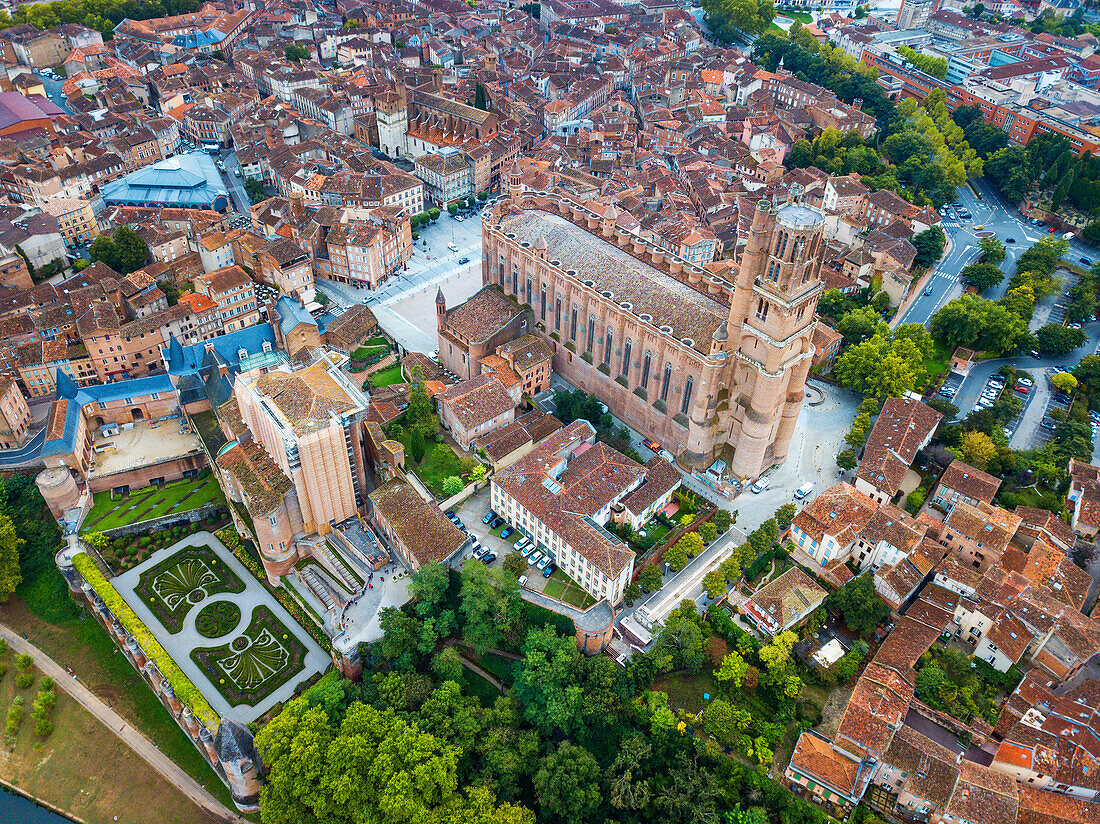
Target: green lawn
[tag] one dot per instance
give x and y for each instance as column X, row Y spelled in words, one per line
column 440, row 462
column 180, row 496
column 564, row 588
column 936, row 364
column 386, row 377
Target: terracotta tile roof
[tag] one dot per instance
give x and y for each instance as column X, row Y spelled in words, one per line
column 661, row 477
column 901, row 429
column 990, row 526
column 259, row 477
column 1042, row 807
column 1034, row 522
column 930, row 766
column 308, row 398
column 351, row 329
column 840, row 511
column 971, row 482
column 477, row 401
column 894, row 526
column 792, row 594
column 905, row 644
column 982, row 795
column 564, row 499
column 419, row 525
column 875, row 710
column 482, row 316
column 815, row 758
column 1050, row 567
column 526, row 352
column 1010, row 637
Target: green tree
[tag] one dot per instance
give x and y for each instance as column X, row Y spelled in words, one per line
column 882, row 366
column 784, row 515
column 859, row 605
column 676, row 556
column 733, row 670
column 977, row 449
column 481, row 99
column 979, row 324
column 935, row 66
column 125, row 252
column 452, row 485
column 416, row 445
column 982, row 276
column 860, row 324
column 515, row 564
column 567, row 784
column 255, row 190
column 1055, row 339
column 714, row 584
column 993, row 251
column 1064, row 382
column 721, row 519
column 650, row 578
column 929, row 245
column 492, row 606
column 10, row 543
column 447, row 664
column 1087, row 373
column 296, row 53
column 708, row 531
column 846, row 459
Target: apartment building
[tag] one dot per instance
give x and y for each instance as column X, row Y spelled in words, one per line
column 75, row 219
column 563, row 493
column 234, row 292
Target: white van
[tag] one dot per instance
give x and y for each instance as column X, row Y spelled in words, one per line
column 803, row 490
column 759, row 486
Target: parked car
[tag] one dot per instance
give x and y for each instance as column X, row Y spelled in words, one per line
column 523, row 543
column 1024, row 380
column 479, row 551
column 760, row 485
column 522, row 580
column 1073, row 326
column 497, row 521
column 1035, row 354
column 543, row 564
column 1023, row 390
column 527, row 550
column 489, row 517
column 534, row 558
column 651, row 444
column 546, row 573
column 507, row 533
column 804, row 490
column 1010, row 240
column 452, row 247
column 463, row 260
column 488, row 559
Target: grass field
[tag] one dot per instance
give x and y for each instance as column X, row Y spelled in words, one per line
column 936, row 364
column 440, row 462
column 181, row 496
column 803, row 16
column 386, row 377
column 86, row 770
column 86, row 647
column 564, row 588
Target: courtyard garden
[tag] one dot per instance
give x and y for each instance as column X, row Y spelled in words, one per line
column 252, row 665
column 369, row 354
column 152, row 502
column 186, row 578
column 385, row 377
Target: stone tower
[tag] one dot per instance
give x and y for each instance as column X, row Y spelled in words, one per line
column 391, row 112
column 59, row 489
column 440, row 308
column 240, row 763
column 770, row 326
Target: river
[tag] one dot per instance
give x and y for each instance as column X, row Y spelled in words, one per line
column 18, row 810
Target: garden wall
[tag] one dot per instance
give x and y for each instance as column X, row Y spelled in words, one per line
column 177, row 518
column 467, row 492
column 657, row 554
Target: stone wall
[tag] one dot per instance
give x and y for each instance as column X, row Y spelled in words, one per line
column 175, row 519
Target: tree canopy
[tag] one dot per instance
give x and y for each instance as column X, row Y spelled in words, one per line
column 126, row 252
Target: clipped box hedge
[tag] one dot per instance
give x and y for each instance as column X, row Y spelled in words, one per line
column 185, row 690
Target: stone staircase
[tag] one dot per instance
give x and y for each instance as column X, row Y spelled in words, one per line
column 335, row 565
column 314, row 584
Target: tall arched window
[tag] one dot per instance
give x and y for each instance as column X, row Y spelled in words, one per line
column 626, row 359
column 542, row 308
column 607, row 348
column 573, row 323
column 686, row 402
column 591, row 332
column 557, row 313
column 665, row 381
column 645, row 370
column 529, row 292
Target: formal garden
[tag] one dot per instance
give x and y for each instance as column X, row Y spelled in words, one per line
column 109, row 512
column 125, row 551
column 226, row 633
column 250, row 666
column 186, row 578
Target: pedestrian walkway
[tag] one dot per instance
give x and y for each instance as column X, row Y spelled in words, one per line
column 131, row 737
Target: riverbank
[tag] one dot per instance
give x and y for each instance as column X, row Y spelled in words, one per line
column 19, row 805
column 83, row 769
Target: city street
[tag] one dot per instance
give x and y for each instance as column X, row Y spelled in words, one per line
column 995, row 217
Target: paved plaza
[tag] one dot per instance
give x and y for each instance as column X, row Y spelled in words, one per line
column 266, row 646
